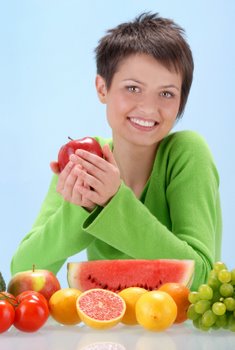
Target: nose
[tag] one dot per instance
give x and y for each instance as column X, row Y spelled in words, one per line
column 149, row 105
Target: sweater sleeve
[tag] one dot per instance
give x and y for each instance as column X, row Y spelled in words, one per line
column 56, row 234
column 191, row 182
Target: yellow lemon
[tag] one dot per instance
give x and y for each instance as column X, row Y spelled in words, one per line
column 130, row 296
column 156, row 310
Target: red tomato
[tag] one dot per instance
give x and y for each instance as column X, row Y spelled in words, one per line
column 31, row 313
column 7, row 315
column 9, row 298
column 32, row 295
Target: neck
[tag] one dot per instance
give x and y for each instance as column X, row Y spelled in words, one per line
column 135, row 164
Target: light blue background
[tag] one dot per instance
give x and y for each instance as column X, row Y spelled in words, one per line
column 47, row 72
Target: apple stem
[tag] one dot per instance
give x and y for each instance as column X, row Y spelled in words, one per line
column 70, row 138
column 33, row 267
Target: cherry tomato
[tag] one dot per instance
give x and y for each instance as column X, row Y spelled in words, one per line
column 31, row 313
column 7, row 315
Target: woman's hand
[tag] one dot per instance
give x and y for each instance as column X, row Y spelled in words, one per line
column 68, row 185
column 101, row 176
column 55, row 167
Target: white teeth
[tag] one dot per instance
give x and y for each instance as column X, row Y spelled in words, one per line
column 142, row 122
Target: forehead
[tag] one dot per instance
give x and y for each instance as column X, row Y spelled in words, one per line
column 146, row 66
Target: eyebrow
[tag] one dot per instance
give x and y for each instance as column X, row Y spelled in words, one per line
column 136, row 81
column 162, row 87
column 170, row 86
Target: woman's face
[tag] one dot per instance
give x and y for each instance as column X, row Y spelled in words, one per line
column 143, row 100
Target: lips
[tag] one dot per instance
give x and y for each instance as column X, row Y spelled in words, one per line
column 143, row 124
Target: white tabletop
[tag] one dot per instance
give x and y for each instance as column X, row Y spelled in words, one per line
column 56, row 337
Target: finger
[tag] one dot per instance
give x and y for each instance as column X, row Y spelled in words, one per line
column 108, row 154
column 78, row 199
column 89, row 180
column 68, row 190
column 55, row 167
column 90, row 168
column 88, row 195
column 91, row 158
column 76, row 196
column 63, row 176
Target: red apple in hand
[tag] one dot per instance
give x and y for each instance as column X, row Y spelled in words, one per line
column 42, row 281
column 87, row 143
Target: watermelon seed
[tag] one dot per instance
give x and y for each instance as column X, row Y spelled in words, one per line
column 118, row 288
column 97, row 283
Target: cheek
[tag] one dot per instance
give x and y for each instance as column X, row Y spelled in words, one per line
column 111, row 115
column 117, row 107
column 171, row 110
column 176, row 105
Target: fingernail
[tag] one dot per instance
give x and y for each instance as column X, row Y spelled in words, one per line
column 79, row 152
column 72, row 158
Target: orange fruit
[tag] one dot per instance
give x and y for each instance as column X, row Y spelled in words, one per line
column 100, row 308
column 179, row 293
column 156, row 310
column 130, row 296
column 62, row 306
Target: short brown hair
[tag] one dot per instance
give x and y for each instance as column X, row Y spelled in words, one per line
column 149, row 34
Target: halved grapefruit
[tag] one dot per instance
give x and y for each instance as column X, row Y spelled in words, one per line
column 100, row 308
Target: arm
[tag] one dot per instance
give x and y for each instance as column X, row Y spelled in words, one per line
column 57, row 232
column 56, row 235
column 187, row 173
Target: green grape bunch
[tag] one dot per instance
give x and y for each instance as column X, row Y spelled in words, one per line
column 213, row 304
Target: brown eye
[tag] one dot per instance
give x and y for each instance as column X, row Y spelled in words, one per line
column 167, row 94
column 133, row 89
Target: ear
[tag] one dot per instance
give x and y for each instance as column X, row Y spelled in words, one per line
column 101, row 88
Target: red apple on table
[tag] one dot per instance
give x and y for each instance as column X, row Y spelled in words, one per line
column 42, row 281
column 87, row 143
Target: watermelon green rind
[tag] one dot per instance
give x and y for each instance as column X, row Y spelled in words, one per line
column 116, row 275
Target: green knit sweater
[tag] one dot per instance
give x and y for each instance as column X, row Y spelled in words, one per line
column 178, row 216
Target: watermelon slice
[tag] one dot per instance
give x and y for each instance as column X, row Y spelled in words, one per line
column 116, row 275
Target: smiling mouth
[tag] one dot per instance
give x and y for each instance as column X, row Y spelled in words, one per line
column 143, row 123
